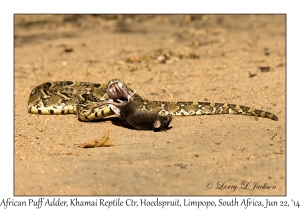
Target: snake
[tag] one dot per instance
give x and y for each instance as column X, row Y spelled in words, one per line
column 84, row 99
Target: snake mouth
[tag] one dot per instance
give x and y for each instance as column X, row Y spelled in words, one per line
column 117, row 91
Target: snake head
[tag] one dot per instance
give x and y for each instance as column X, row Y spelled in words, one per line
column 118, row 91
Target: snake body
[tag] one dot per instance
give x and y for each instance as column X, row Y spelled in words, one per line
column 71, row 97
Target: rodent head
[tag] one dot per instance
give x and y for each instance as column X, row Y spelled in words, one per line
column 162, row 123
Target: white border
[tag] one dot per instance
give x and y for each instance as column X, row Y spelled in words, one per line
column 8, row 8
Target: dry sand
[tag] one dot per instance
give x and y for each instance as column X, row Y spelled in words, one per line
column 198, row 155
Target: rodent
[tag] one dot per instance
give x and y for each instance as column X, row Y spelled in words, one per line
column 140, row 119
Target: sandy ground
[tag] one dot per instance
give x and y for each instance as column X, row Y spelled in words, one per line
column 202, row 155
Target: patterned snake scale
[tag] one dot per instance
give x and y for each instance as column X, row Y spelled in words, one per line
column 71, row 97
